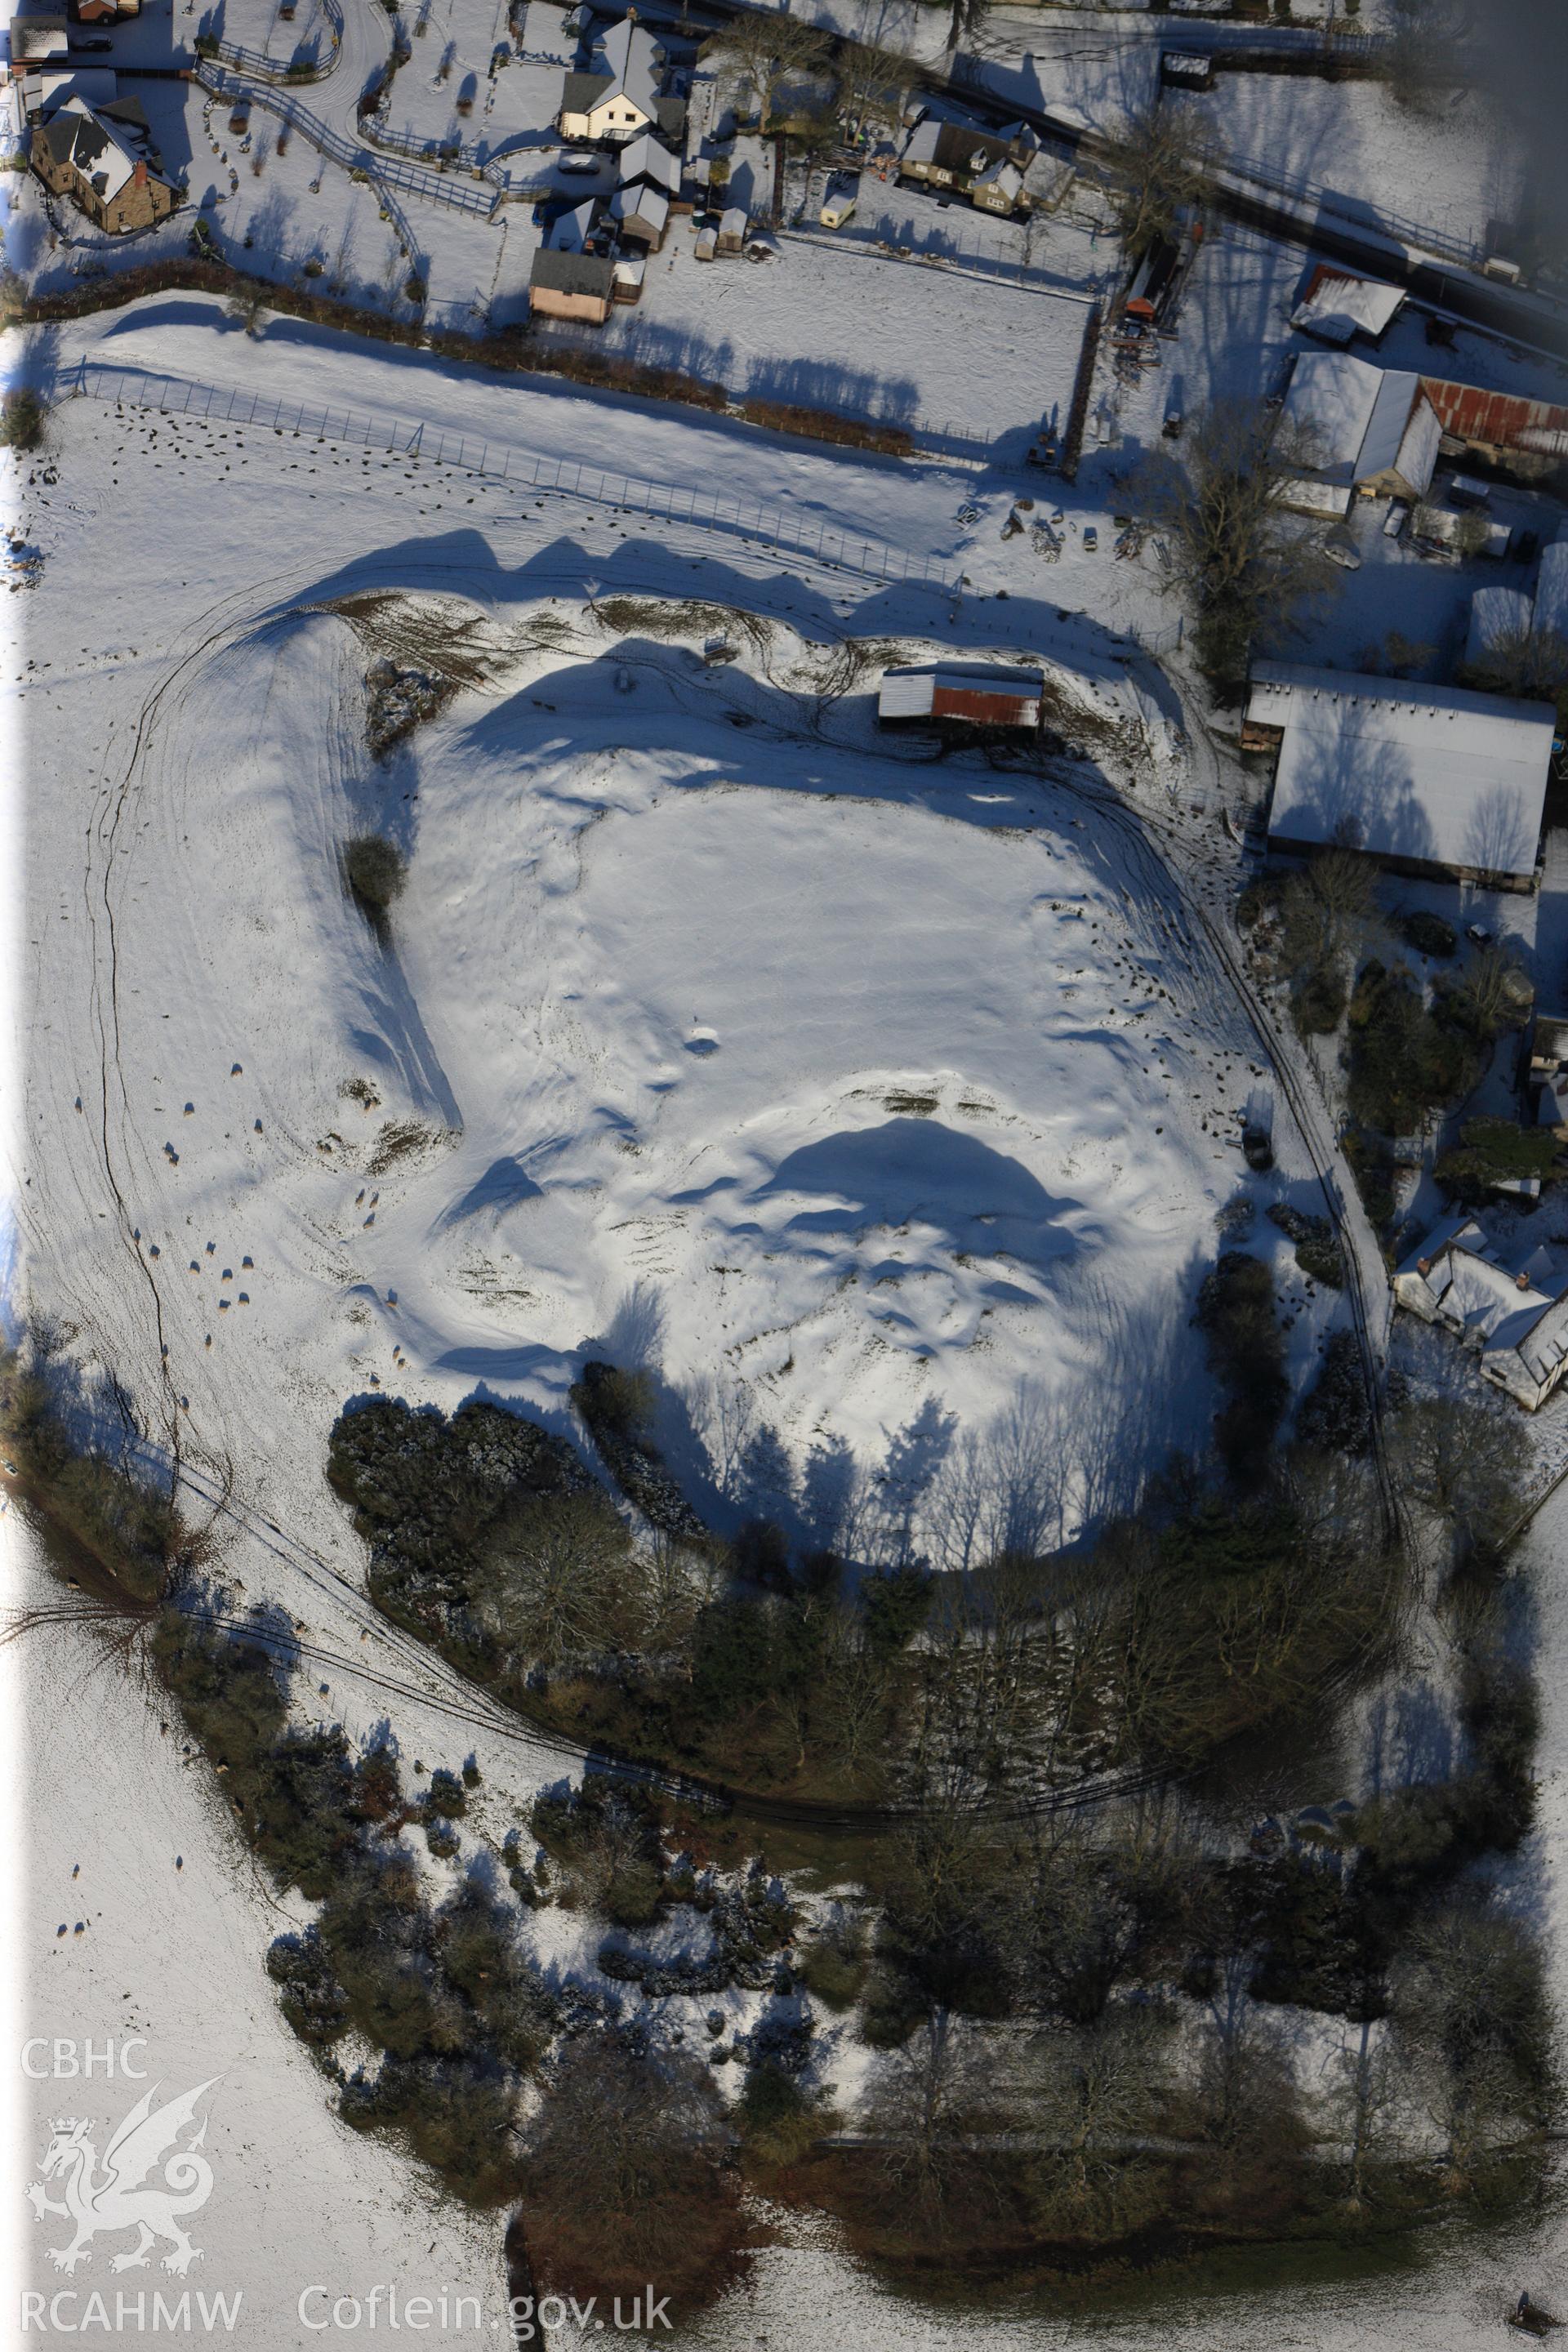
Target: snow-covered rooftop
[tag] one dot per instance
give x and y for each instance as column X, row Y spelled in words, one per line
column 1428, row 774
column 1362, row 421
column 1498, row 617
column 1338, row 304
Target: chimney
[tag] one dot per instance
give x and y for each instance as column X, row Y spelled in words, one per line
column 140, row 174
column 1423, row 1266
column 1522, row 1282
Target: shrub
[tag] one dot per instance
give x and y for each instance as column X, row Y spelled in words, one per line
column 310, row 1997
column 1318, row 1003
column 1493, row 1151
column 1247, row 1356
column 624, row 2175
column 22, row 418
column 373, row 876
column 1334, row 1416
column 1427, row 934
column 1317, row 1249
column 779, row 2117
column 1406, row 1060
column 447, row 1794
column 457, row 2114
column 834, row 1964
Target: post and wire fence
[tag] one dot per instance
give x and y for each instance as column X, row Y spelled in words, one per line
column 755, row 523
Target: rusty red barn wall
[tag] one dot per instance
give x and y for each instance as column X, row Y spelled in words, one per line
column 983, row 710
column 1501, row 419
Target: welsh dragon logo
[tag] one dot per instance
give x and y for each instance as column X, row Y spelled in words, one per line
column 124, row 2196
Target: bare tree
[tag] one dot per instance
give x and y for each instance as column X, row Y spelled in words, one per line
column 1096, row 2092
column 928, row 2104
column 1364, row 2095
column 554, row 1583
column 1472, row 2019
column 625, row 2172
column 1326, row 908
column 1529, row 662
column 873, row 83
column 757, row 54
column 1419, row 58
column 1238, row 555
column 1156, row 162
column 1461, row 1459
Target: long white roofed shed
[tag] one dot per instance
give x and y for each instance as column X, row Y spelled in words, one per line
column 1427, row 779
column 976, row 694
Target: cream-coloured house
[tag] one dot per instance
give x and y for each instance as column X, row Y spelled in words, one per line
column 620, row 95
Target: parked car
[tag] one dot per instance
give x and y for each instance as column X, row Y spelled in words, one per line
column 95, row 46
column 1524, row 546
column 1090, row 539
column 1395, row 521
column 1340, row 548
column 579, row 162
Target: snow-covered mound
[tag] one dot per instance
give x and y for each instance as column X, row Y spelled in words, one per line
column 845, row 1089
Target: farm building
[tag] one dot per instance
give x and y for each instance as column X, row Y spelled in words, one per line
column 1529, row 435
column 104, row 160
column 965, row 694
column 38, row 34
column 1514, row 1319
column 1337, row 305
column 1510, row 632
column 1548, row 1073
column 1428, row 780
column 1364, row 430
column 1151, row 280
column 621, row 94
column 567, row 285
column 1186, row 69
column 1500, row 625
column 1551, row 613
column 733, row 227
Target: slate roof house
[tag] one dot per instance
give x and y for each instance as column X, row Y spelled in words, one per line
column 622, row 93
column 103, row 159
column 1515, row 1320
column 1428, row 780
column 988, row 166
